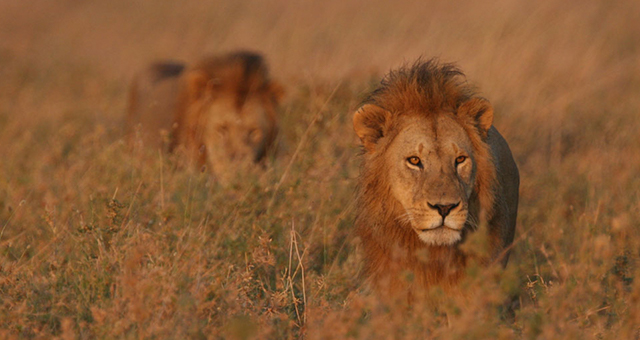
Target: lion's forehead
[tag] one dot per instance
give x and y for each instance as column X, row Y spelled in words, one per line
column 432, row 138
column 224, row 112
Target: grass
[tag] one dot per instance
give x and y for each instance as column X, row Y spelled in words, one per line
column 98, row 240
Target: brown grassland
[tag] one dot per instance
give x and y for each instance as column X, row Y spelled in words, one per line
column 99, row 240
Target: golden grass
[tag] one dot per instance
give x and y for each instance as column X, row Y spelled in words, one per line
column 101, row 241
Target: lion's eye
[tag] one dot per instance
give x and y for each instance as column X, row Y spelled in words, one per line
column 460, row 159
column 415, row 161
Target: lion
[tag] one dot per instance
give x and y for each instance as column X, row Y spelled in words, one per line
column 434, row 169
column 221, row 112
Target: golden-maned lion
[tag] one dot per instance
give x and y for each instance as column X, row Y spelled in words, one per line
column 220, row 112
column 434, row 169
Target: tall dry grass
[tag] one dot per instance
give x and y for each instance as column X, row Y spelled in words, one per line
column 101, row 241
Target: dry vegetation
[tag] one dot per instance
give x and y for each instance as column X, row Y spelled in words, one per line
column 101, row 241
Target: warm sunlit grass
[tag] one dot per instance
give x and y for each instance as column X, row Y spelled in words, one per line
column 98, row 240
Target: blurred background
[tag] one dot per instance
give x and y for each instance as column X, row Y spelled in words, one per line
column 535, row 60
column 79, row 211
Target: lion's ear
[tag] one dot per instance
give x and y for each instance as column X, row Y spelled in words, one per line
column 480, row 110
column 370, row 123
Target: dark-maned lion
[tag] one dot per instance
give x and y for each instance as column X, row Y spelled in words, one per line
column 226, row 112
column 220, row 111
column 434, row 169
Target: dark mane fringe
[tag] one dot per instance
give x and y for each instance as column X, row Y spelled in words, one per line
column 245, row 71
column 426, row 85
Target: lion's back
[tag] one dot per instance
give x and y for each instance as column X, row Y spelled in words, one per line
column 508, row 178
column 153, row 98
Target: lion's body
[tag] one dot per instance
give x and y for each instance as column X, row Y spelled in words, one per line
column 434, row 170
column 220, row 112
column 153, row 100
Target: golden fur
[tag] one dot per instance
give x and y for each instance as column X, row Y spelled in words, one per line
column 434, row 170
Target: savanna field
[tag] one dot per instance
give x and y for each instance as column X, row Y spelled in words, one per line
column 99, row 239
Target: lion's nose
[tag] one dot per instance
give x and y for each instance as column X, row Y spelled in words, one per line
column 443, row 209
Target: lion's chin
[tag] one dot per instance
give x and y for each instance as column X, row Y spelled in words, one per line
column 442, row 236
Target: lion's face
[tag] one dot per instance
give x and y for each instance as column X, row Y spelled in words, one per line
column 237, row 138
column 426, row 162
column 431, row 174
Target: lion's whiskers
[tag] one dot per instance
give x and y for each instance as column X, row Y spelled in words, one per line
column 473, row 222
column 407, row 217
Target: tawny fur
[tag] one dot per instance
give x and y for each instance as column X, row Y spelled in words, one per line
column 152, row 104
